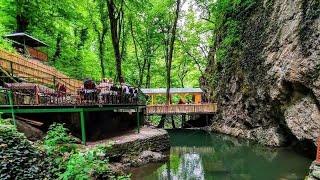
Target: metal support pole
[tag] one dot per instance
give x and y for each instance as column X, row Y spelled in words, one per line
column 138, row 119
column 11, row 105
column 83, row 127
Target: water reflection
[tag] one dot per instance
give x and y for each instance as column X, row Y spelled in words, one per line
column 189, row 167
column 197, row 155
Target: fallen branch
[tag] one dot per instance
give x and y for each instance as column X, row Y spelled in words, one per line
column 36, row 123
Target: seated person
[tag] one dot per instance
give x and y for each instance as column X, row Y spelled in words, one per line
column 104, row 89
column 89, row 90
column 61, row 89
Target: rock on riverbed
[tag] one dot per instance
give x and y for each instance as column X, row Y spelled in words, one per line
column 314, row 173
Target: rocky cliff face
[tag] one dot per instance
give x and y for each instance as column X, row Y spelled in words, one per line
column 270, row 91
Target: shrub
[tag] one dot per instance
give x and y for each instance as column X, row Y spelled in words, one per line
column 73, row 163
column 85, row 165
column 19, row 159
column 58, row 141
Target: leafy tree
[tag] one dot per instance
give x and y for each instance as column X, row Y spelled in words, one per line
column 108, row 38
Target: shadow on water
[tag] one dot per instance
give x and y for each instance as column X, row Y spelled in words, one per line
column 200, row 155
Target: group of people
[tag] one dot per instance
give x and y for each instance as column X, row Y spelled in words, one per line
column 108, row 92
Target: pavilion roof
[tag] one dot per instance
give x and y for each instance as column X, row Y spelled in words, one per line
column 172, row 90
column 23, row 38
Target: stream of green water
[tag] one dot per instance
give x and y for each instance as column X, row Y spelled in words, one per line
column 198, row 155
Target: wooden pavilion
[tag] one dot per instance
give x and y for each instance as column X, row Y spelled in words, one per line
column 181, row 92
column 28, row 45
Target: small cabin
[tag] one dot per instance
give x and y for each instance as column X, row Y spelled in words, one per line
column 181, row 92
column 28, row 46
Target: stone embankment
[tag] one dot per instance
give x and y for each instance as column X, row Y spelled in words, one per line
column 136, row 149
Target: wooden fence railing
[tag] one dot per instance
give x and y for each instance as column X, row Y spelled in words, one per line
column 182, row 108
column 20, row 66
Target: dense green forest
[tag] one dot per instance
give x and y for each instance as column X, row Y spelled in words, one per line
column 144, row 41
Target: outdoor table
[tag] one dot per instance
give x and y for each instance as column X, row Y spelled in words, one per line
column 28, row 89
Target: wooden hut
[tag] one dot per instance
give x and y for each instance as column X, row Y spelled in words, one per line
column 28, row 45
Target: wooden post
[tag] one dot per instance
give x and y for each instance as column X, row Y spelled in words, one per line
column 152, row 99
column 83, row 127
column 197, row 98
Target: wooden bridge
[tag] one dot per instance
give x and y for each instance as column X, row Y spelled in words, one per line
column 207, row 108
column 194, row 106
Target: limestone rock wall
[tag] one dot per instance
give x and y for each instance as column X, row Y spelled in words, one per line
column 271, row 93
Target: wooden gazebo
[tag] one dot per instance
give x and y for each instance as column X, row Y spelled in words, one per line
column 28, row 45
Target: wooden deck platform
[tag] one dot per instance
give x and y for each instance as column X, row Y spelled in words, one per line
column 81, row 109
column 181, row 109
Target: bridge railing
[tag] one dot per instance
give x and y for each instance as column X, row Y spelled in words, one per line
column 182, row 108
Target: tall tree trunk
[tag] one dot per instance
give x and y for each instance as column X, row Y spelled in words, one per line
column 57, row 53
column 141, row 67
column 148, row 78
column 116, row 25
column 170, row 52
column 101, row 57
column 101, row 32
column 22, row 23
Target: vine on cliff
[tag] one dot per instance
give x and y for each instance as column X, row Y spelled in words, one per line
column 227, row 16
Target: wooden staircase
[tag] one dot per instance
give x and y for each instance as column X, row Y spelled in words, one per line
column 32, row 70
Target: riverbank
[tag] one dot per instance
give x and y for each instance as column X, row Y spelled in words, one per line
column 135, row 149
column 59, row 155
